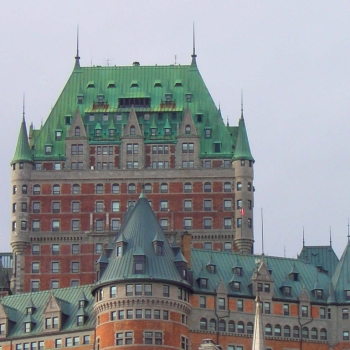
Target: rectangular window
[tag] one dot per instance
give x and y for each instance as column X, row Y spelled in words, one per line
column 35, row 267
column 86, row 339
column 304, row 311
column 138, row 313
column 36, row 225
column 55, row 249
column 240, row 305
column 113, row 292
column 148, row 313
column 55, row 225
column 99, row 225
column 207, row 205
column 267, row 308
column 75, row 248
column 322, row 312
column 115, row 206
column 286, row 309
column 36, row 207
column 99, row 207
column 115, row 224
column 129, row 290
column 75, row 267
column 35, row 249
column 187, row 224
column 188, row 205
column 55, row 267
column 227, row 223
column 166, row 292
column 222, row 304
column 164, row 206
column 345, row 313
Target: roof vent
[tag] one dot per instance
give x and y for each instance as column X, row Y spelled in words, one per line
column 136, row 63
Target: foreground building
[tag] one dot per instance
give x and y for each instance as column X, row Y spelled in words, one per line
column 154, row 294
column 112, row 132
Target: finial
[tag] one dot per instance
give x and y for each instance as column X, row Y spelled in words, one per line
column 77, row 57
column 24, row 107
column 242, row 104
column 348, row 232
column 193, row 46
column 303, row 237
column 330, row 235
column 262, row 232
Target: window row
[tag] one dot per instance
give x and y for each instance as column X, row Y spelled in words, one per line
column 36, row 345
column 160, row 149
column 239, row 186
column 99, row 225
column 75, row 249
column 149, row 338
column 55, row 267
column 35, row 285
column 139, row 314
column 71, row 341
column 104, row 150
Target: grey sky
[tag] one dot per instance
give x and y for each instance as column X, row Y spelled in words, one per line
column 291, row 58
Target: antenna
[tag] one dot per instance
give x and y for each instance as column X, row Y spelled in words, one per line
column 175, row 60
column 24, row 106
column 77, row 57
column 262, row 232
column 193, row 46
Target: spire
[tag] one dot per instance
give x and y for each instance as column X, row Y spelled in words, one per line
column 330, row 236
column 303, row 237
column 22, row 153
column 258, row 336
column 242, row 150
column 242, row 104
column 77, row 57
column 194, row 63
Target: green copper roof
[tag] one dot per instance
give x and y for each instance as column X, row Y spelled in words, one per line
column 322, row 257
column 68, row 300
column 242, row 149
column 103, row 104
column 138, row 235
column 22, row 153
column 308, row 273
column 341, row 276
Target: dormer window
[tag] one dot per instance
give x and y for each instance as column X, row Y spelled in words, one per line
column 153, row 131
column 167, row 132
column 132, row 130
column 294, row 276
column 27, row 327
column 168, row 97
column 211, row 268
column 287, row 291
column 159, row 248
column 139, row 267
column 80, row 320
column 238, row 271
column 207, row 133
column 48, row 149
column 58, row 135
column 97, row 132
column 111, row 132
column 82, row 303
column 318, row 293
column 203, row 283
column 199, row 118
column 236, row 286
column 119, row 250
column 187, row 130
column 80, row 100
column 347, row 294
column 100, row 98
column 188, row 97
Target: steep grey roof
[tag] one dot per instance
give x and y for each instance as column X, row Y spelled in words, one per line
column 138, row 235
column 341, row 276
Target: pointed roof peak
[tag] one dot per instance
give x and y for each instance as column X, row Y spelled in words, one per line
column 77, row 57
column 242, row 104
column 194, row 62
column 22, row 153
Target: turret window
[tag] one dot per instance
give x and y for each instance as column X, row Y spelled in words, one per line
column 239, row 222
column 14, row 189
column 77, row 131
column 239, row 186
column 347, row 294
column 132, row 130
column 242, row 162
column 249, row 186
column 250, row 223
column 23, row 225
column 188, row 130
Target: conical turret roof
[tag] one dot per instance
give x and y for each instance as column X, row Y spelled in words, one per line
column 139, row 232
column 22, row 153
column 242, row 150
column 341, row 276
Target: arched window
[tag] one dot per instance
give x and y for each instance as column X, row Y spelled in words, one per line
column 231, row 326
column 99, row 189
column 296, row 332
column 164, row 188
column 277, row 330
column 250, row 328
column 188, row 129
column 131, row 188
column 305, row 333
column 56, row 189
column 286, row 331
column 268, row 329
column 314, row 333
column 249, row 186
column 227, row 187
column 77, row 131
column 115, row 188
column 212, row 325
column 76, row 189
column 222, row 326
column 203, row 324
column 239, row 186
column 240, row 327
column 132, row 130
column 323, row 334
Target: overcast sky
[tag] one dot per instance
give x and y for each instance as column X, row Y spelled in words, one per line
column 291, row 58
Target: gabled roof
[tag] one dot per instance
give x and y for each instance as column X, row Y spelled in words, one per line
column 22, row 153
column 139, row 232
column 242, row 149
column 68, row 300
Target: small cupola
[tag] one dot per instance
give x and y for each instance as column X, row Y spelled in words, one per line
column 286, row 288
column 98, row 130
column 101, row 266
column 202, row 280
column 211, row 266
column 167, row 128
column 181, row 265
column 153, row 128
column 120, row 245
column 294, row 273
column 317, row 290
